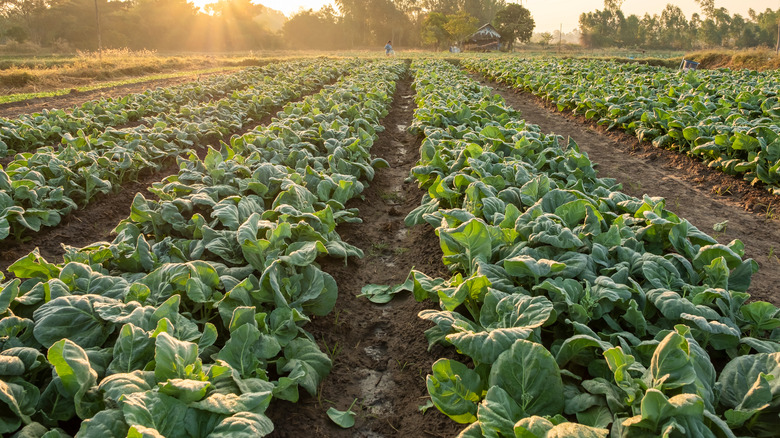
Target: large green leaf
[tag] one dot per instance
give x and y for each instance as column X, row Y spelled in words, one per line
column 71, row 364
column 106, row 424
column 133, row 349
column 72, row 317
column 529, row 373
column 302, row 354
column 243, row 425
column 157, row 411
column 175, row 359
column 455, row 390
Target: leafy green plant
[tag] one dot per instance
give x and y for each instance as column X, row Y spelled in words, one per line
column 582, row 311
column 344, row 419
column 723, row 117
column 192, row 320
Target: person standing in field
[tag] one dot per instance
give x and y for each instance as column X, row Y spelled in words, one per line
column 389, row 48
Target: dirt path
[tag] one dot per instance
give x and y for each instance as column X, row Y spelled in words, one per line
column 381, row 356
column 692, row 190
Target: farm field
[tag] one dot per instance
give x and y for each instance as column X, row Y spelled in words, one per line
column 223, row 285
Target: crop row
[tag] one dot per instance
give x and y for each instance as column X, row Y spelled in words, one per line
column 585, row 312
column 39, row 188
column 728, row 119
column 28, row 132
column 191, row 321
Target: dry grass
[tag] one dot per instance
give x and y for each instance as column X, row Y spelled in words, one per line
column 30, row 75
column 754, row 59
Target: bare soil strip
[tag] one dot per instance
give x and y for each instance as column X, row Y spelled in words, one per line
column 379, row 352
column 695, row 192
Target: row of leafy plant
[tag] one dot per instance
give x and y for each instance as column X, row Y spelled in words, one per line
column 191, row 321
column 729, row 119
column 28, row 132
column 39, row 188
column 581, row 311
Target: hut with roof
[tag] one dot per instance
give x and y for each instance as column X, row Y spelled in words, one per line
column 485, row 39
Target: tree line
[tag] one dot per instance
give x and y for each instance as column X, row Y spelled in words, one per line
column 354, row 24
column 242, row 25
column 714, row 27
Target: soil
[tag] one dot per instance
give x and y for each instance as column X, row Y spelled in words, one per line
column 379, row 353
column 692, row 190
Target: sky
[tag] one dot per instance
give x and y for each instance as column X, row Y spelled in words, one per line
column 551, row 14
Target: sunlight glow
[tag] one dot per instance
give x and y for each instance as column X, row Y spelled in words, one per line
column 550, row 14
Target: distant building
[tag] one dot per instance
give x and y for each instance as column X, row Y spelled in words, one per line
column 485, row 39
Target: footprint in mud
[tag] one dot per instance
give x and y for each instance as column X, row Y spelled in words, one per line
column 376, row 352
column 375, row 387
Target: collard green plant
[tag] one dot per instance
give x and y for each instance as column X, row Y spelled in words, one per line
column 582, row 311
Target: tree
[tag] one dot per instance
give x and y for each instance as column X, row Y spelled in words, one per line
column 484, row 10
column 630, row 31
column 675, row 28
column 461, row 25
column 312, row 30
column 613, row 5
column 433, row 31
column 545, row 38
column 372, row 22
column 601, row 28
column 25, row 14
column 707, row 7
column 514, row 23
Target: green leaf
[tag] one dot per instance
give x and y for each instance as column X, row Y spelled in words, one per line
column 471, row 239
column 741, row 374
column 570, row 430
column 525, row 266
column 345, row 419
column 485, row 346
column 302, row 354
column 105, row 424
column 115, row 386
column 671, row 366
column 761, row 315
column 175, row 359
column 71, row 365
column 498, row 413
column 533, row 427
column 154, row 410
column 530, row 374
column 187, row 391
column 455, row 390
column 382, row 294
column 133, row 349
column 243, row 425
column 239, row 350
column 72, row 317
column 18, row 400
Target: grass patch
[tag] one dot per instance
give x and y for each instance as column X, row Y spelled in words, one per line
column 753, row 59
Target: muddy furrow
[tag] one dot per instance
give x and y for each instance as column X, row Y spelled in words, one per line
column 379, row 352
column 703, row 196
